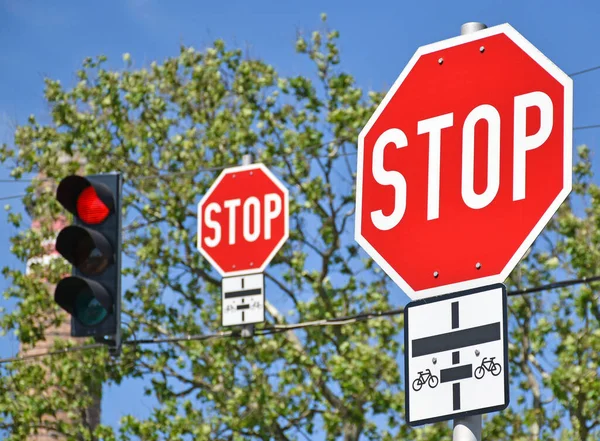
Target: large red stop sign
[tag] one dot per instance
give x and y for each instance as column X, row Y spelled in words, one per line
column 464, row 162
column 243, row 220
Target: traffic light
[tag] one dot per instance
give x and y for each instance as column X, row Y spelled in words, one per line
column 92, row 244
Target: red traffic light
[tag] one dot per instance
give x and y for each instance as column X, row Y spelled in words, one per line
column 90, row 202
column 90, row 207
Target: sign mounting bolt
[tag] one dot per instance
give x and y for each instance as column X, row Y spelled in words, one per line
column 436, row 274
column 477, row 352
column 440, row 61
column 482, row 49
column 434, row 360
column 478, row 265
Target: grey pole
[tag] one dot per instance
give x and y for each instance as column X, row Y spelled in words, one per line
column 247, row 330
column 247, row 159
column 468, row 428
column 470, row 27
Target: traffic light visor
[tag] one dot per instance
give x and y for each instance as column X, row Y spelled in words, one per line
column 90, row 202
column 87, row 301
column 86, row 249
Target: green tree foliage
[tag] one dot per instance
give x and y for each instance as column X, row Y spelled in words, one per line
column 169, row 128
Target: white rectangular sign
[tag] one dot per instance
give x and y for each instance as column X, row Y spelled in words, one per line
column 456, row 355
column 243, row 300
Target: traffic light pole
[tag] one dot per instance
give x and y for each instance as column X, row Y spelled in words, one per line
column 247, row 330
column 468, row 428
column 115, row 348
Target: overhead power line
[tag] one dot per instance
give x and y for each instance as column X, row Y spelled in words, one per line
column 180, row 339
column 276, row 329
column 16, row 196
column 593, row 126
column 589, row 69
column 555, row 285
column 50, row 353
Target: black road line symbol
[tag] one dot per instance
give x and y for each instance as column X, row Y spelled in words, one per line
column 456, row 357
column 455, row 315
column 243, row 293
column 456, row 373
column 456, row 339
column 456, row 396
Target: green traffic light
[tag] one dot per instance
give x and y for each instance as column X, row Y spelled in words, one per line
column 86, row 300
column 88, row 309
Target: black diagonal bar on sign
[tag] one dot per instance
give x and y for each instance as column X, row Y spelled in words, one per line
column 456, row 339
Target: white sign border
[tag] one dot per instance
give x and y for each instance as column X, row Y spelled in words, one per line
column 286, row 207
column 557, row 74
column 264, row 301
column 506, row 375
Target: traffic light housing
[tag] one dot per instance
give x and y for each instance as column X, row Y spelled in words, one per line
column 92, row 244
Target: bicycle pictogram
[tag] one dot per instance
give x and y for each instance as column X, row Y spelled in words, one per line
column 487, row 364
column 425, row 377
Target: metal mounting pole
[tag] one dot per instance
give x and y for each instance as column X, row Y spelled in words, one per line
column 468, row 428
column 247, row 330
column 472, row 26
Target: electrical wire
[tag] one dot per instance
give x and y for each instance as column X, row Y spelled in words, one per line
column 276, row 329
column 589, row 69
column 555, row 285
column 16, row 196
column 50, row 353
column 180, row 339
column 593, row 126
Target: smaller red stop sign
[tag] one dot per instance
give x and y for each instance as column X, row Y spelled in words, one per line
column 243, row 220
column 464, row 162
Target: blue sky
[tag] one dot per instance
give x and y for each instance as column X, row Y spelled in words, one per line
column 41, row 38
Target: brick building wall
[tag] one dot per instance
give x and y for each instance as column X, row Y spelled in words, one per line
column 53, row 333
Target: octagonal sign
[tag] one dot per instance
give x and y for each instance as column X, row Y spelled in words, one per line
column 464, row 162
column 243, row 220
